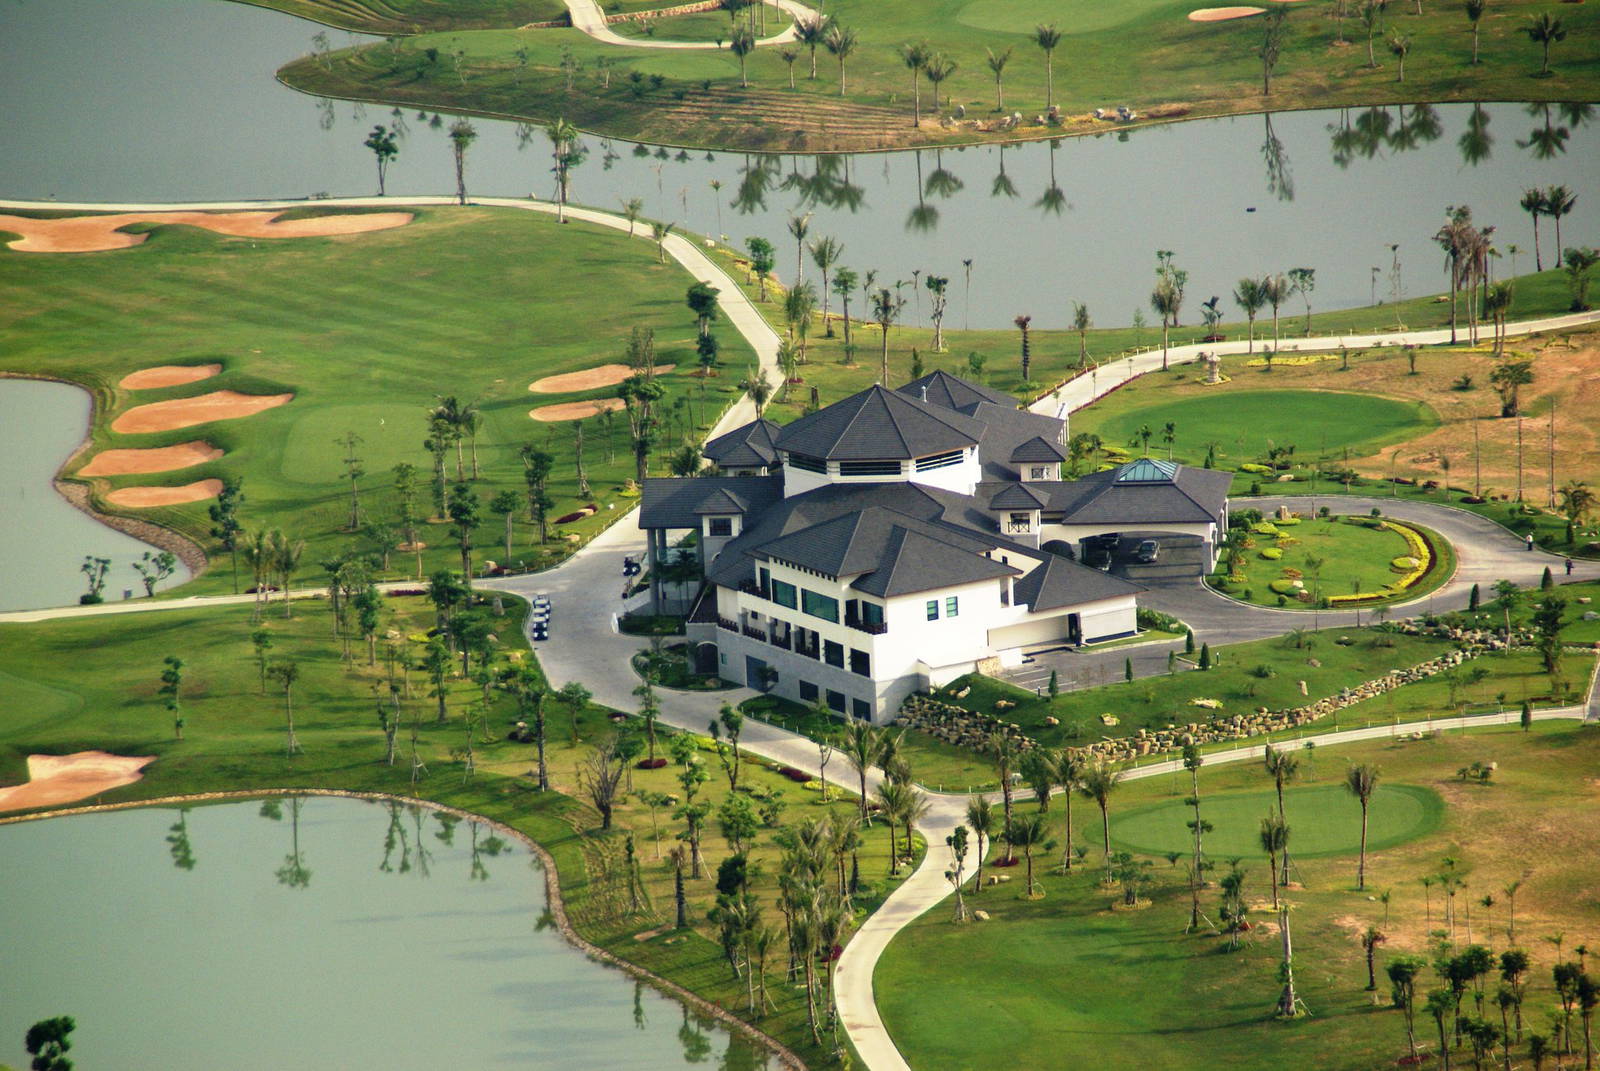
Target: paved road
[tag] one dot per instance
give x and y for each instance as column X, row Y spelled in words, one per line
column 584, row 644
column 588, row 18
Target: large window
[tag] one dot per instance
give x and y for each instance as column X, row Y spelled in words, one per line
column 783, row 593
column 861, row 710
column 871, row 613
column 940, row 461
column 810, row 464
column 833, row 653
column 860, row 662
column 721, row 526
column 808, row 692
column 869, row 468
column 952, row 606
column 836, row 701
column 822, row 606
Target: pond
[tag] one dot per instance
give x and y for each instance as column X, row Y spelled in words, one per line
column 43, row 537
column 197, row 115
column 313, row 933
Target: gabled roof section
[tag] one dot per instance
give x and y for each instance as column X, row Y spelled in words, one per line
column 1037, row 450
column 914, row 562
column 750, row 446
column 1059, row 582
column 676, row 502
column 952, row 392
column 1147, row 470
column 1019, row 496
column 879, row 425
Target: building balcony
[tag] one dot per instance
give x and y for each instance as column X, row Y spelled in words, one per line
column 725, row 624
column 754, row 633
column 812, row 651
column 751, row 587
column 1018, row 528
column 781, row 642
column 871, row 628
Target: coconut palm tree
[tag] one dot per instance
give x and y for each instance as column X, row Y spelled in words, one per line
column 1247, row 295
column 1533, row 202
column 1081, row 324
column 1003, row 750
column 1275, row 842
column 631, row 209
column 1275, row 290
column 462, row 135
column 841, row 42
column 1047, row 37
column 1361, row 782
column 1165, row 300
column 886, row 306
column 810, row 32
column 1497, row 306
column 825, row 253
column 1027, row 831
column 1577, row 499
column 915, row 56
column 938, row 69
column 861, row 746
column 742, row 43
column 659, row 233
column 1400, row 46
column 997, row 66
column 1545, row 29
column 980, row 817
column 1097, row 783
column 1022, row 323
column 1558, row 202
column 1069, row 767
column 799, row 227
column 1371, row 15
column 757, row 387
column 567, row 152
column 1475, row 10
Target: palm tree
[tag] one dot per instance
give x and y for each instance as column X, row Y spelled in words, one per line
column 997, row 66
column 1558, row 202
column 1496, row 306
column 1003, row 750
column 659, row 232
column 1081, row 324
column 840, row 41
column 938, row 69
column 742, row 44
column 1247, row 295
column 1097, row 783
column 915, row 57
column 1534, row 204
column 1022, row 323
column 886, row 306
column 1028, row 832
column 980, row 816
column 286, row 674
column 757, row 387
column 567, row 153
column 861, row 745
column 1400, row 45
column 825, row 253
column 462, row 135
column 284, row 554
column 1577, row 499
column 1165, row 300
column 631, row 208
column 1371, row 15
column 1545, row 29
column 1069, row 772
column 810, row 32
column 799, row 227
column 1275, row 290
column 1362, row 781
column 1275, row 842
column 1282, row 766
column 1475, row 10
column 1047, row 37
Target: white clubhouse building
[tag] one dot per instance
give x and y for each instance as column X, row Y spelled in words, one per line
column 898, row 539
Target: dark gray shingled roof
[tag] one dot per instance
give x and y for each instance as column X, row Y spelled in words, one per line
column 677, row 502
column 1059, row 582
column 879, row 425
column 952, row 392
column 745, row 447
column 1038, row 449
column 1190, row 494
column 1019, row 496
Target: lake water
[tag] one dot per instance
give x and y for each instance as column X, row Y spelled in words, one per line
column 43, row 537
column 167, row 100
column 322, row 933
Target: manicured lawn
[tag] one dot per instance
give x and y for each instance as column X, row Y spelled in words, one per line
column 1143, row 54
column 1325, row 819
column 368, row 332
column 1067, row 980
column 1355, row 557
column 91, row 684
column 1245, row 423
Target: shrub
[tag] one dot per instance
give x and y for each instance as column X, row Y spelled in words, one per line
column 1283, row 586
column 1255, row 469
column 1266, row 528
column 1403, row 564
column 1288, row 522
column 1272, row 554
column 1263, row 672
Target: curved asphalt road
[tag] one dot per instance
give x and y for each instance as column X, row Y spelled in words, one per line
column 585, row 645
column 588, row 18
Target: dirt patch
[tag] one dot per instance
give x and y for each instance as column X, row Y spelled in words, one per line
column 604, row 375
column 90, row 234
column 54, row 779
column 1224, row 14
column 201, row 409
column 159, row 459
column 575, row 410
column 167, row 375
column 148, row 497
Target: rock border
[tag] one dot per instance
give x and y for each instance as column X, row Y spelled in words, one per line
column 552, row 886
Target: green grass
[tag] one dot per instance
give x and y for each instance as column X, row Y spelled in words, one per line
column 1325, row 820
column 408, row 16
column 91, row 683
column 1066, row 980
column 1245, row 424
column 1146, row 55
column 366, row 331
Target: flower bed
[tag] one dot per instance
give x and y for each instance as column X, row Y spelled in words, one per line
column 1412, row 567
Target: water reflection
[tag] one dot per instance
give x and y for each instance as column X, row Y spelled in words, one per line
column 294, row 873
column 1476, row 143
column 1054, row 198
column 1280, row 181
column 178, row 842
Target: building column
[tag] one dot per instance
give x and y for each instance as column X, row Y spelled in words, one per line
column 652, row 537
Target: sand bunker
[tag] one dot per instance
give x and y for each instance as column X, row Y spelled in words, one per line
column 167, row 375
column 88, row 234
column 56, row 779
column 201, row 409
column 575, row 410
column 148, row 497
column 604, row 375
column 160, row 459
column 1223, row 14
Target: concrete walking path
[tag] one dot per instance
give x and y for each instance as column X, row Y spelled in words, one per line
column 587, row 17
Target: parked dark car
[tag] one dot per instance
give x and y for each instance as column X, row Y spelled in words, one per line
column 1147, row 551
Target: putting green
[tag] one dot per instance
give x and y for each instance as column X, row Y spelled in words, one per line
column 1072, row 16
column 1323, row 820
column 1244, row 424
